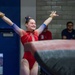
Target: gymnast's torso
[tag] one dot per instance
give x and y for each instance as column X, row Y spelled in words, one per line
column 29, row 37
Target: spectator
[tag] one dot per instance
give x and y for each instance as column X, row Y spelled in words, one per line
column 45, row 35
column 69, row 32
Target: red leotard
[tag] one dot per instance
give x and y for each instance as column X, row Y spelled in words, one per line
column 28, row 38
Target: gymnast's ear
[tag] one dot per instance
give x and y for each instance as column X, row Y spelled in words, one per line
column 26, row 25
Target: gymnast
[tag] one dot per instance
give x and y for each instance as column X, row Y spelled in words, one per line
column 29, row 65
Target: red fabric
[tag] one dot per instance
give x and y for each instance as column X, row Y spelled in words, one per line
column 45, row 35
column 30, row 58
column 28, row 38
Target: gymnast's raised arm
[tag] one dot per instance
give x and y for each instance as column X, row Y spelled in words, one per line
column 47, row 21
column 12, row 24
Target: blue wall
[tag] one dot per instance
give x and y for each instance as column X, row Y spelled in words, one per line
column 10, row 45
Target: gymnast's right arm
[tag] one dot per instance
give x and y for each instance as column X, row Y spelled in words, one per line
column 9, row 22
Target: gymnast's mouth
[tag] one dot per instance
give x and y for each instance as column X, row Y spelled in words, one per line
column 33, row 27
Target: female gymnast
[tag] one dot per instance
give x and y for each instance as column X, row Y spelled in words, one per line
column 29, row 66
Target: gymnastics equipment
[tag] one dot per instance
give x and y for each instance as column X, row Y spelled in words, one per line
column 56, row 57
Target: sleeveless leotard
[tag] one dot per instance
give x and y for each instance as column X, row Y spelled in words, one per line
column 28, row 38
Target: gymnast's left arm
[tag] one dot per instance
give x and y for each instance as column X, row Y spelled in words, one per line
column 47, row 21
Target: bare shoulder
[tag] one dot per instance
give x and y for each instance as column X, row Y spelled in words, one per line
column 23, row 32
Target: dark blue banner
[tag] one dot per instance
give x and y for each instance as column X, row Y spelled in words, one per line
column 9, row 40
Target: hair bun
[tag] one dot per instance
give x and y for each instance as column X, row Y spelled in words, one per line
column 27, row 18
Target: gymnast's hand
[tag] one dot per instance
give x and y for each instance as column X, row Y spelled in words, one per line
column 1, row 14
column 53, row 14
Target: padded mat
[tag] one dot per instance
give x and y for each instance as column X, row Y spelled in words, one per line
column 56, row 57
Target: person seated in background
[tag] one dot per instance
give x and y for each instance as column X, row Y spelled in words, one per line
column 69, row 32
column 46, row 34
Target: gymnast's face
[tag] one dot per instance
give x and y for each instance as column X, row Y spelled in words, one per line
column 31, row 25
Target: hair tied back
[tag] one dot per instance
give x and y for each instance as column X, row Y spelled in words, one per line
column 27, row 18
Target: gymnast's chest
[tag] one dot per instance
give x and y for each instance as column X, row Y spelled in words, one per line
column 29, row 37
